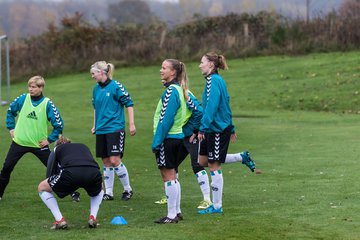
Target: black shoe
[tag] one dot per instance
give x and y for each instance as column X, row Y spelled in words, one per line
column 167, row 220
column 107, row 197
column 179, row 216
column 75, row 196
column 126, row 195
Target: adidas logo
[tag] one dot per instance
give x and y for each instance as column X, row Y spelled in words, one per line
column 32, row 115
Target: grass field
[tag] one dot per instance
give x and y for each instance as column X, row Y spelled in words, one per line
column 296, row 115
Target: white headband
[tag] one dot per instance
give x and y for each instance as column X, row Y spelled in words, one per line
column 96, row 69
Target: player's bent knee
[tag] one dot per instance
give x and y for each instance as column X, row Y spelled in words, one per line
column 44, row 186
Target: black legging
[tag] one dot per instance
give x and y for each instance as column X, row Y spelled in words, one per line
column 192, row 149
column 14, row 154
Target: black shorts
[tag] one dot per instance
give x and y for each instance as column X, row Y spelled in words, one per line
column 215, row 145
column 68, row 180
column 168, row 155
column 110, row 144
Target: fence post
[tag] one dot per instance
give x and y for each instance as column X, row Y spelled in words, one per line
column 246, row 30
column 1, row 38
column 162, row 38
column 7, row 68
column 246, row 33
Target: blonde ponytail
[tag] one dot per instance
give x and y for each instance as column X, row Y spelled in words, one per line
column 107, row 68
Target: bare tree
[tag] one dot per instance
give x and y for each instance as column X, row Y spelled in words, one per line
column 131, row 11
column 349, row 22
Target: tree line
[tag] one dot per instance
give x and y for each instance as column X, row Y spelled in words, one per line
column 24, row 18
column 76, row 43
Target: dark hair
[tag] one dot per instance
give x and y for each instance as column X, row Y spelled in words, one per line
column 218, row 60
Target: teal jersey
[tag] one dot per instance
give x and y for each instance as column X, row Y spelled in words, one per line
column 216, row 104
column 193, row 123
column 109, row 100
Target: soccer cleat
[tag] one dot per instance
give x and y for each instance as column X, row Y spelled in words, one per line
column 92, row 223
column 163, row 200
column 107, row 197
column 126, row 195
column 75, row 196
column 179, row 216
column 210, row 210
column 59, row 224
column 246, row 159
column 204, row 204
column 167, row 220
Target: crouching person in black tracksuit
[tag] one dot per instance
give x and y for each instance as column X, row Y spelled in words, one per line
column 71, row 166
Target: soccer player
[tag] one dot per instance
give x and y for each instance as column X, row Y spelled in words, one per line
column 30, row 132
column 169, row 118
column 71, row 166
column 216, row 126
column 191, row 146
column 109, row 99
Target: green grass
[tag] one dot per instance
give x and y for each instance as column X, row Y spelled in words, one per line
column 308, row 153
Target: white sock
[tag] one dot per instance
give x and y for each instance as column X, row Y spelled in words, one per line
column 51, row 203
column 217, row 183
column 178, row 199
column 231, row 158
column 203, row 180
column 95, row 203
column 109, row 180
column 171, row 190
column 123, row 175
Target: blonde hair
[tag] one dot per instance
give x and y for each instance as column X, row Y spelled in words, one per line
column 181, row 76
column 62, row 140
column 38, row 80
column 218, row 60
column 107, row 68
